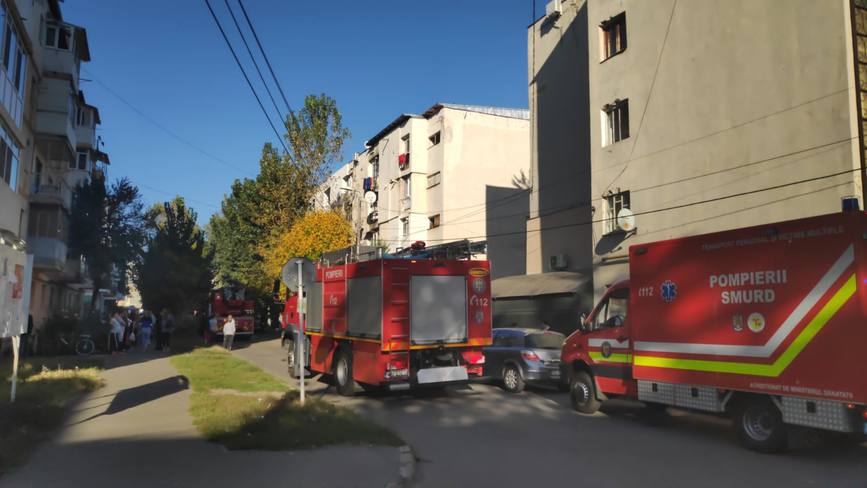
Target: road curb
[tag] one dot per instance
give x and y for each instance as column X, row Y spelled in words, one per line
column 407, row 468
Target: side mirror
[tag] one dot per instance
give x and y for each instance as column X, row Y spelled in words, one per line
column 581, row 322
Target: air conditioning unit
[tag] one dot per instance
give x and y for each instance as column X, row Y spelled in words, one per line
column 558, row 262
column 554, row 8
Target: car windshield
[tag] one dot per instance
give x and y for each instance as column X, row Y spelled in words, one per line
column 545, row 340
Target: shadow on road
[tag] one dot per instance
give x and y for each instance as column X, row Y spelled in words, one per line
column 139, row 395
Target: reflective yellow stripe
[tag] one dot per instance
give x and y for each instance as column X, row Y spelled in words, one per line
column 825, row 314
column 614, row 358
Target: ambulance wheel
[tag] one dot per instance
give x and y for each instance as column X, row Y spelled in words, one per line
column 582, row 392
column 760, row 426
column 513, row 382
column 343, row 374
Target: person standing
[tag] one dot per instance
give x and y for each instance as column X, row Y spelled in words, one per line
column 168, row 326
column 228, row 332
column 115, row 336
column 145, row 327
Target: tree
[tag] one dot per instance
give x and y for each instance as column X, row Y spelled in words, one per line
column 312, row 235
column 175, row 271
column 107, row 228
column 258, row 211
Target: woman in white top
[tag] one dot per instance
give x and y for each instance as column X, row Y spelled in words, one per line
column 228, row 332
column 115, row 338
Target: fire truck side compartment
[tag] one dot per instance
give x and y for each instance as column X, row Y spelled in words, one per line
column 364, row 306
column 438, row 309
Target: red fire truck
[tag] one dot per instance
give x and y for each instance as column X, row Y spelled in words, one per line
column 230, row 301
column 766, row 324
column 397, row 323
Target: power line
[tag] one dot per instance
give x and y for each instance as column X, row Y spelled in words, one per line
column 244, row 72
column 163, row 128
column 265, row 56
column 200, row 202
column 253, row 58
column 663, row 209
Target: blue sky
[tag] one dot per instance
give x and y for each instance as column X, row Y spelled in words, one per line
column 377, row 58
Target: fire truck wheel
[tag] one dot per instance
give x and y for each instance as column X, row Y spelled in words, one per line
column 582, row 392
column 760, row 425
column 343, row 374
column 513, row 382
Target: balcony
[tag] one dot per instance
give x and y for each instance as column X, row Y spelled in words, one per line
column 49, row 254
column 51, row 193
column 75, row 270
column 85, row 136
column 403, row 161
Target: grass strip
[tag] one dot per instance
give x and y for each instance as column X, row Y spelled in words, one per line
column 268, row 421
column 46, row 387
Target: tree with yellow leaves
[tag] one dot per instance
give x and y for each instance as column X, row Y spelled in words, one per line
column 310, row 236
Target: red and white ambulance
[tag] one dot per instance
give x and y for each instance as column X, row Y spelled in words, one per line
column 399, row 323
column 767, row 324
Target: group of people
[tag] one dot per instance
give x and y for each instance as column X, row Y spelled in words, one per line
column 129, row 329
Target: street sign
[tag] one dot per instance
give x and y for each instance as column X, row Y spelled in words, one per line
column 289, row 275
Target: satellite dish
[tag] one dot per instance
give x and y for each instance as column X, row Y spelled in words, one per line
column 370, row 197
column 289, row 275
column 625, row 220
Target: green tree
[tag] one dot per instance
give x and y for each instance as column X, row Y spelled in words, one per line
column 257, row 211
column 175, row 271
column 107, row 229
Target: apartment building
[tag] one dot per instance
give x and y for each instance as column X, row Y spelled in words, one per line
column 453, row 172
column 692, row 116
column 62, row 152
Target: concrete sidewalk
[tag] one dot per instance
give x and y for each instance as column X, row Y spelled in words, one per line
column 137, row 431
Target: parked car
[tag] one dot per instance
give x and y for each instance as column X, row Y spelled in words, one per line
column 521, row 356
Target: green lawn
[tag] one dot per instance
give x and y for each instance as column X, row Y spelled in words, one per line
column 240, row 406
column 46, row 387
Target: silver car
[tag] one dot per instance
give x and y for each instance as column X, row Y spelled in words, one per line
column 521, row 356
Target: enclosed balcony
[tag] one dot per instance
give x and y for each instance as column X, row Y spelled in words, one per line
column 49, row 254
column 50, row 192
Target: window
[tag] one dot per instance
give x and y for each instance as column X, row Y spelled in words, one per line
column 82, row 161
column 434, row 221
column 434, row 179
column 406, row 187
column 404, row 228
column 612, row 312
column 374, row 164
column 9, row 152
column 404, row 144
column 615, row 122
column 58, row 36
column 614, row 203
column 434, row 139
column 612, row 36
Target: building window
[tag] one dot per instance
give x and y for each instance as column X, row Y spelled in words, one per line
column 58, row 36
column 434, row 221
column 406, row 187
column 434, row 179
column 404, row 144
column 82, row 161
column 434, row 139
column 14, row 62
column 612, row 36
column 615, row 122
column 404, row 228
column 9, row 152
column 374, row 167
column 614, row 203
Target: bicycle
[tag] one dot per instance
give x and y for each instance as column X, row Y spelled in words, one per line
column 85, row 345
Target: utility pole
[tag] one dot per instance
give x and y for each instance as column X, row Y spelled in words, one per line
column 301, row 327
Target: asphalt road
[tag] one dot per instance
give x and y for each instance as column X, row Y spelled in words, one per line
column 482, row 436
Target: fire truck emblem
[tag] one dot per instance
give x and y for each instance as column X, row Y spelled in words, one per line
column 668, row 291
column 606, row 349
column 756, row 322
column 738, row 323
